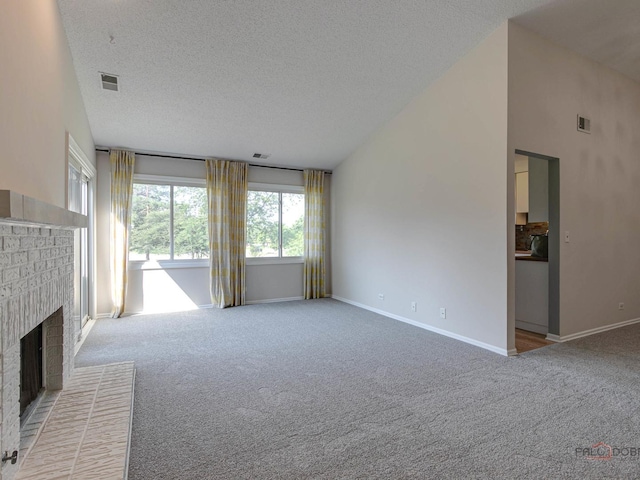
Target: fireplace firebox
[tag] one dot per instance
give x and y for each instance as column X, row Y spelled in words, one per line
column 30, row 368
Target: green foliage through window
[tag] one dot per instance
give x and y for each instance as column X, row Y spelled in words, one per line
column 151, row 235
column 275, row 222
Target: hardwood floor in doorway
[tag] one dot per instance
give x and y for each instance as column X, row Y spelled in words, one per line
column 526, row 341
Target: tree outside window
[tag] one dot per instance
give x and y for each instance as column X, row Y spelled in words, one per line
column 275, row 223
column 168, row 223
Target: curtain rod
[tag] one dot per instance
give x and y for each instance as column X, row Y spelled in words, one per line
column 177, row 157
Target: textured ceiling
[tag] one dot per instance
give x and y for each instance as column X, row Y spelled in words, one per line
column 305, row 81
column 607, row 31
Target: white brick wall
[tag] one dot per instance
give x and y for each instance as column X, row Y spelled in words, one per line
column 36, row 279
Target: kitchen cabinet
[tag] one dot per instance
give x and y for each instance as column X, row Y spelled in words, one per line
column 522, row 192
column 538, row 190
column 532, row 191
column 532, row 296
column 521, row 164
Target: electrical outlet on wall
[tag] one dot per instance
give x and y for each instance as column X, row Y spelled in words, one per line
column 381, row 296
column 621, row 306
column 414, row 307
column 443, row 312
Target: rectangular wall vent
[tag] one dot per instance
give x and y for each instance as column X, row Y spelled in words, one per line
column 584, row 124
column 261, row 155
column 109, row 82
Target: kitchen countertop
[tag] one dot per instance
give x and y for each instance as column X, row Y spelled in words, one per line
column 526, row 255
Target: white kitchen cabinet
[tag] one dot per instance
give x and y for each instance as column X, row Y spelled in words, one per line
column 521, row 164
column 522, row 192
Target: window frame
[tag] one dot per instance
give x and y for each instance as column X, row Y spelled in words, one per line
column 146, row 179
column 279, row 189
column 77, row 159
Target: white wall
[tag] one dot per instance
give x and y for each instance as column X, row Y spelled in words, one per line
column 599, row 173
column 419, row 212
column 39, row 101
column 182, row 288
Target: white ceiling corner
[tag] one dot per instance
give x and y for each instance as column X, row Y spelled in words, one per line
column 306, row 81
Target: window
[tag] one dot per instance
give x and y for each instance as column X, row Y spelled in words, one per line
column 80, row 197
column 275, row 220
column 168, row 222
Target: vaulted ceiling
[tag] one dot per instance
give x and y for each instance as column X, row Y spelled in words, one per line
column 607, row 31
column 306, row 81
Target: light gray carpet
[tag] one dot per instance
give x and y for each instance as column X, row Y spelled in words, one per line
column 321, row 389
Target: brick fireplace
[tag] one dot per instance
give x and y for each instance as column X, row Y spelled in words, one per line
column 36, row 287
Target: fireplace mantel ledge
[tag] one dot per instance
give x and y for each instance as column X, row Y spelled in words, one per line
column 15, row 207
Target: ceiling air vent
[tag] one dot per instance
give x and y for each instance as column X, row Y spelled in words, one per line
column 109, row 82
column 261, row 155
column 584, row 124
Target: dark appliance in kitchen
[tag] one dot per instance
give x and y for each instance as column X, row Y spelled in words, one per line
column 540, row 245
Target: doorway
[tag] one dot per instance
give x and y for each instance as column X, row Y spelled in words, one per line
column 537, row 280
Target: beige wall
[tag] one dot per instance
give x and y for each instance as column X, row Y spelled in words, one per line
column 599, row 173
column 419, row 211
column 39, row 101
column 181, row 288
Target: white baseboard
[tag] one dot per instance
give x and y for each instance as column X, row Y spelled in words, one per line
column 565, row 338
column 255, row 302
column 440, row 331
column 532, row 327
column 273, row 300
column 209, row 305
column 83, row 335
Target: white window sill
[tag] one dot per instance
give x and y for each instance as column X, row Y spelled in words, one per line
column 274, row 260
column 167, row 264
column 202, row 263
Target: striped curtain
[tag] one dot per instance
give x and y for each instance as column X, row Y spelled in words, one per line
column 121, row 192
column 227, row 195
column 314, row 234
